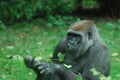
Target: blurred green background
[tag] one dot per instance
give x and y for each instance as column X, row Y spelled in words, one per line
column 33, row 27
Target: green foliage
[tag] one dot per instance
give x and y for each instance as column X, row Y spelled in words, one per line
column 79, row 77
column 110, row 26
column 2, row 25
column 57, row 21
column 61, row 20
column 93, row 70
column 16, row 9
column 25, row 10
column 21, row 10
column 61, row 57
column 68, row 66
column 55, row 6
column 14, row 66
column 89, row 4
column 101, row 76
column 47, row 59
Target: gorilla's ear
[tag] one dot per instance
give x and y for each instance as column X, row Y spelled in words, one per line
column 90, row 34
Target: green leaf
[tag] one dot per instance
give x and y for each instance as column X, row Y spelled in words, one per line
column 95, row 72
column 68, row 66
column 79, row 77
column 61, row 57
column 101, row 76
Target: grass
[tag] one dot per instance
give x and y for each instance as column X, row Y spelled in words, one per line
column 38, row 40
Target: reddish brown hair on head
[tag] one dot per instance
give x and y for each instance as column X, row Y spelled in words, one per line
column 82, row 25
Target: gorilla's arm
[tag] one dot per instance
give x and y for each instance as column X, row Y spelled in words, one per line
column 60, row 47
column 47, row 68
column 30, row 62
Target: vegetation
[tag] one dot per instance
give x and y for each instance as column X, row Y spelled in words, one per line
column 38, row 38
column 20, row 10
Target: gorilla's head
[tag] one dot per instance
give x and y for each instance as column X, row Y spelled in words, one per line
column 81, row 36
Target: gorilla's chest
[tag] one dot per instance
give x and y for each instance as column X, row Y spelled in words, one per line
column 77, row 64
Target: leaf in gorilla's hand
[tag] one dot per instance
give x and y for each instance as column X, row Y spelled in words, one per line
column 61, row 57
column 38, row 58
column 68, row 66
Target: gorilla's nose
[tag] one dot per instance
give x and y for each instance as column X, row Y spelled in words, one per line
column 72, row 43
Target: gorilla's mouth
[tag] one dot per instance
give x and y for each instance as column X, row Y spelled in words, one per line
column 71, row 48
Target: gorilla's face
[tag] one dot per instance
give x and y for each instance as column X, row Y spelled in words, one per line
column 78, row 42
column 73, row 41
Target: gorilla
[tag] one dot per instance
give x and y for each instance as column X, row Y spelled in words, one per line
column 83, row 49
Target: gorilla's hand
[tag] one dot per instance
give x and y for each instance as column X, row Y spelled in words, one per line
column 47, row 68
column 29, row 61
column 42, row 67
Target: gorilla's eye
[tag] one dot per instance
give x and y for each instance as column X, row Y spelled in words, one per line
column 89, row 34
column 74, row 37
